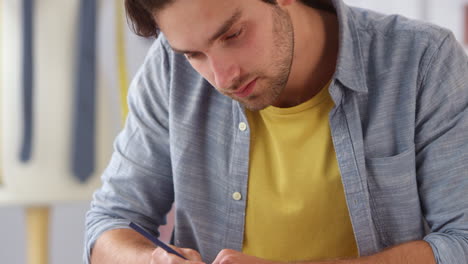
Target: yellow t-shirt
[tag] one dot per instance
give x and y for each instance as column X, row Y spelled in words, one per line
column 296, row 207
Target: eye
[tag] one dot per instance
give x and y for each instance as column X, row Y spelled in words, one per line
column 192, row 55
column 235, row 35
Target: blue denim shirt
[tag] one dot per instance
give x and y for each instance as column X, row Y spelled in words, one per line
column 399, row 128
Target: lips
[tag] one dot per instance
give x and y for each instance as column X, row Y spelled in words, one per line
column 246, row 90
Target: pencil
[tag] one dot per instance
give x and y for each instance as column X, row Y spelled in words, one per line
column 153, row 239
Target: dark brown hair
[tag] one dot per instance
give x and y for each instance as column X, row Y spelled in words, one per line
column 141, row 20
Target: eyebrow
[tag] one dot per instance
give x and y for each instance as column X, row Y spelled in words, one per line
column 222, row 30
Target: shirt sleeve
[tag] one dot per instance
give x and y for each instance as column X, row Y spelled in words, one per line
column 441, row 140
column 137, row 184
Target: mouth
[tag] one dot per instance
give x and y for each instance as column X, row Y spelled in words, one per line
column 245, row 90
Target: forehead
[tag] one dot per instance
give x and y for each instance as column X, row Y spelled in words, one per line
column 180, row 11
column 188, row 21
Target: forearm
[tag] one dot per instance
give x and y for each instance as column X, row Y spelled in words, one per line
column 120, row 246
column 416, row 252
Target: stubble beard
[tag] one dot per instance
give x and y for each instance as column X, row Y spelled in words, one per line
column 274, row 85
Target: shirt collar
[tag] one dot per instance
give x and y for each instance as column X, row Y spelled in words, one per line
column 350, row 65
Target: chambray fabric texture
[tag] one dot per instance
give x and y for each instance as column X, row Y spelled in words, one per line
column 399, row 128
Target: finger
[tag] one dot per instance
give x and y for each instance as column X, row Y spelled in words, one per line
column 178, row 250
column 190, row 254
column 161, row 256
column 175, row 251
column 225, row 256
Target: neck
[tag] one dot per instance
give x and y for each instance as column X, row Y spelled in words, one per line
column 315, row 54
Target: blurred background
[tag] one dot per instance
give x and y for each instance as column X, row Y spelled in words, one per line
column 38, row 171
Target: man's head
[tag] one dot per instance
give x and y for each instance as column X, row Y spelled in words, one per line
column 141, row 13
column 244, row 48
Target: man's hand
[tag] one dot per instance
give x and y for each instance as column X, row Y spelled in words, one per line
column 415, row 252
column 229, row 256
column 159, row 256
column 125, row 246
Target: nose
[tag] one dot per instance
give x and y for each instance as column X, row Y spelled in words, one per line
column 225, row 71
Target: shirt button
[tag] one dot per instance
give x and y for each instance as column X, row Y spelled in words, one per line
column 242, row 126
column 237, row 196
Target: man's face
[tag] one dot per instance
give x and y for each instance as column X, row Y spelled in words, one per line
column 244, row 48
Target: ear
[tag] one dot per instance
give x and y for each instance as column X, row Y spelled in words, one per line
column 285, row 3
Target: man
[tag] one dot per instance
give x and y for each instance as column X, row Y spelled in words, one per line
column 289, row 131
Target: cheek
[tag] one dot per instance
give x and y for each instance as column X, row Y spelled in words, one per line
column 257, row 49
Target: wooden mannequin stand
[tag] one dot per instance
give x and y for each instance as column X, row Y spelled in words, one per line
column 37, row 228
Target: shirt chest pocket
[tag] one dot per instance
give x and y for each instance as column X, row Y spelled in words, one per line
column 394, row 198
